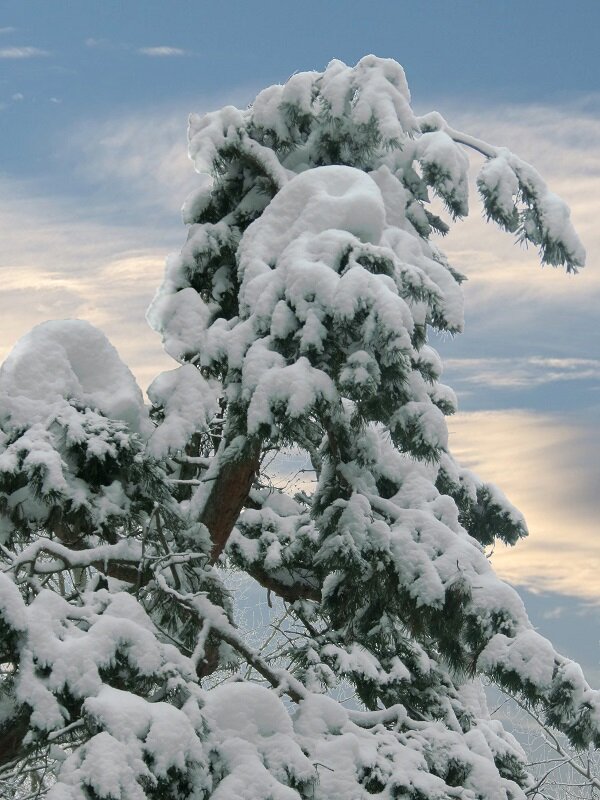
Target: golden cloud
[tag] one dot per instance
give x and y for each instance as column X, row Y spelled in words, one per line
column 546, row 466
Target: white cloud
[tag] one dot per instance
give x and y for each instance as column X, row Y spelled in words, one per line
column 162, row 51
column 7, row 29
column 22, row 52
column 62, row 257
column 159, row 51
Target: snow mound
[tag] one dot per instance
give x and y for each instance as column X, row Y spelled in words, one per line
column 324, row 198
column 189, row 401
column 68, row 362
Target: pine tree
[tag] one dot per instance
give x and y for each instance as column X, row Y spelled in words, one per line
column 299, row 312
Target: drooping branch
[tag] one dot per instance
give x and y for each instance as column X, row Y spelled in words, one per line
column 487, row 150
column 435, row 121
column 122, row 569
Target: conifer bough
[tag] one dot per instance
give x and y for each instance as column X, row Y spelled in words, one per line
column 298, row 314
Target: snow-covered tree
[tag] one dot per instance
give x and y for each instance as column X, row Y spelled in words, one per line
column 299, row 311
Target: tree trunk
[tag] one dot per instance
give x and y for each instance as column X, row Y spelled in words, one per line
column 229, row 492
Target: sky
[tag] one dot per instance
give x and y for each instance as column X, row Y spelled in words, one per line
column 94, row 99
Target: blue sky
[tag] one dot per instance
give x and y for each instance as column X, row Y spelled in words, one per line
column 100, row 58
column 94, row 98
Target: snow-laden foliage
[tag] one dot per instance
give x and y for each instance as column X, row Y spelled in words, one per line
column 299, row 311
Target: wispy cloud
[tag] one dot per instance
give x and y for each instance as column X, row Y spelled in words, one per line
column 145, row 154
column 121, row 233
column 22, row 52
column 158, row 51
column 162, row 51
column 7, row 29
column 521, row 373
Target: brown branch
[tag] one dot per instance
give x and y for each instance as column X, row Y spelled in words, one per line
column 209, row 663
column 288, row 592
column 189, row 468
column 123, row 572
column 278, row 678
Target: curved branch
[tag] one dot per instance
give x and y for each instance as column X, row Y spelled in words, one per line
column 487, row 150
column 114, row 560
column 435, row 122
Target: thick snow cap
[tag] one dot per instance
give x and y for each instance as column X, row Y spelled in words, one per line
column 68, row 361
column 319, row 199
